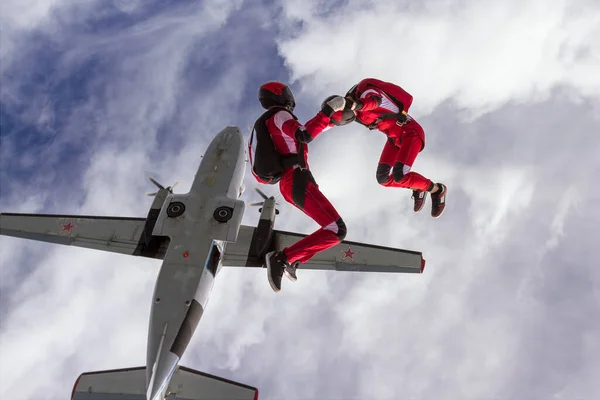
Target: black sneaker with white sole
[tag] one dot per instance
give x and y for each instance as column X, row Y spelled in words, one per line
column 419, row 198
column 290, row 271
column 438, row 201
column 276, row 265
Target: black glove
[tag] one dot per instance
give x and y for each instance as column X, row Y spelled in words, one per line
column 353, row 105
column 333, row 104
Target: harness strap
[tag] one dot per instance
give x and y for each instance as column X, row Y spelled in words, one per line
column 290, row 160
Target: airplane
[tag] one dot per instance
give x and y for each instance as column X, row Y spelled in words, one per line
column 195, row 234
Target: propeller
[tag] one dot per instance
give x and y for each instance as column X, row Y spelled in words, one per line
column 156, row 183
column 264, row 196
column 169, row 188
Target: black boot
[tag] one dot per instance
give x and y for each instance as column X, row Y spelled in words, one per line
column 276, row 264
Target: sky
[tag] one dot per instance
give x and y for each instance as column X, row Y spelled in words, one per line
column 96, row 96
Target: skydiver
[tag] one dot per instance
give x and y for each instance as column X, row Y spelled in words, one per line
column 296, row 183
column 384, row 106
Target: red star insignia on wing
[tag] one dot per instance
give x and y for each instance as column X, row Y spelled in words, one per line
column 349, row 254
column 67, row 227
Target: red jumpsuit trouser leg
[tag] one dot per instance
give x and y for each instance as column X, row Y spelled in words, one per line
column 299, row 188
column 398, row 160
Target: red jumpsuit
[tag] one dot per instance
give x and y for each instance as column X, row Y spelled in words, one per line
column 299, row 188
column 404, row 143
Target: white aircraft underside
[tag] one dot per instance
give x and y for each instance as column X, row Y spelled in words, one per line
column 195, row 234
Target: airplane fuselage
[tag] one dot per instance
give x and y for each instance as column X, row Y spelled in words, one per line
column 199, row 225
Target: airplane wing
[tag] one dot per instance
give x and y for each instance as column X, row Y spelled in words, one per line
column 133, row 236
column 346, row 256
column 122, row 235
column 186, row 384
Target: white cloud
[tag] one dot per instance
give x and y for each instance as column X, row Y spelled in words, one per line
column 479, row 55
column 510, row 283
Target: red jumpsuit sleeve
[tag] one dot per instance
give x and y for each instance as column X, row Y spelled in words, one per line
column 307, row 132
column 394, row 90
column 370, row 102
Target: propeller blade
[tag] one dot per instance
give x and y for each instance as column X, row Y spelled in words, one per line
column 175, row 184
column 151, row 194
column 156, row 183
column 256, row 204
column 264, row 196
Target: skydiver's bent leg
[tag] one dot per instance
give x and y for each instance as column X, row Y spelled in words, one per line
column 299, row 188
column 394, row 170
column 303, row 192
column 398, row 161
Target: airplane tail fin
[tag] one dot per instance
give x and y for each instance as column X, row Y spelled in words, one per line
column 130, row 384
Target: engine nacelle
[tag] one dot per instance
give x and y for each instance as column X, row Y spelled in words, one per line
column 225, row 218
column 220, row 217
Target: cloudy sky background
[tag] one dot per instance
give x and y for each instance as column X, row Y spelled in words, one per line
column 98, row 95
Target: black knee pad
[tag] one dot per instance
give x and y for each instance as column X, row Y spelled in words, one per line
column 342, row 231
column 398, row 172
column 383, row 173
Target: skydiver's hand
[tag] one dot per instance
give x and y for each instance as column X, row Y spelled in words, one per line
column 333, row 104
column 353, row 105
column 337, row 103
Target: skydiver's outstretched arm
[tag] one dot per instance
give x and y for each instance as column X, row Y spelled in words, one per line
column 307, row 132
column 369, row 102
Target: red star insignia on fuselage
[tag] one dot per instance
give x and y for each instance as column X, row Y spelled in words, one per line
column 349, row 254
column 67, row 227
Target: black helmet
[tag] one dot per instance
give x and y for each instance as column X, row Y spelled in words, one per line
column 275, row 93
